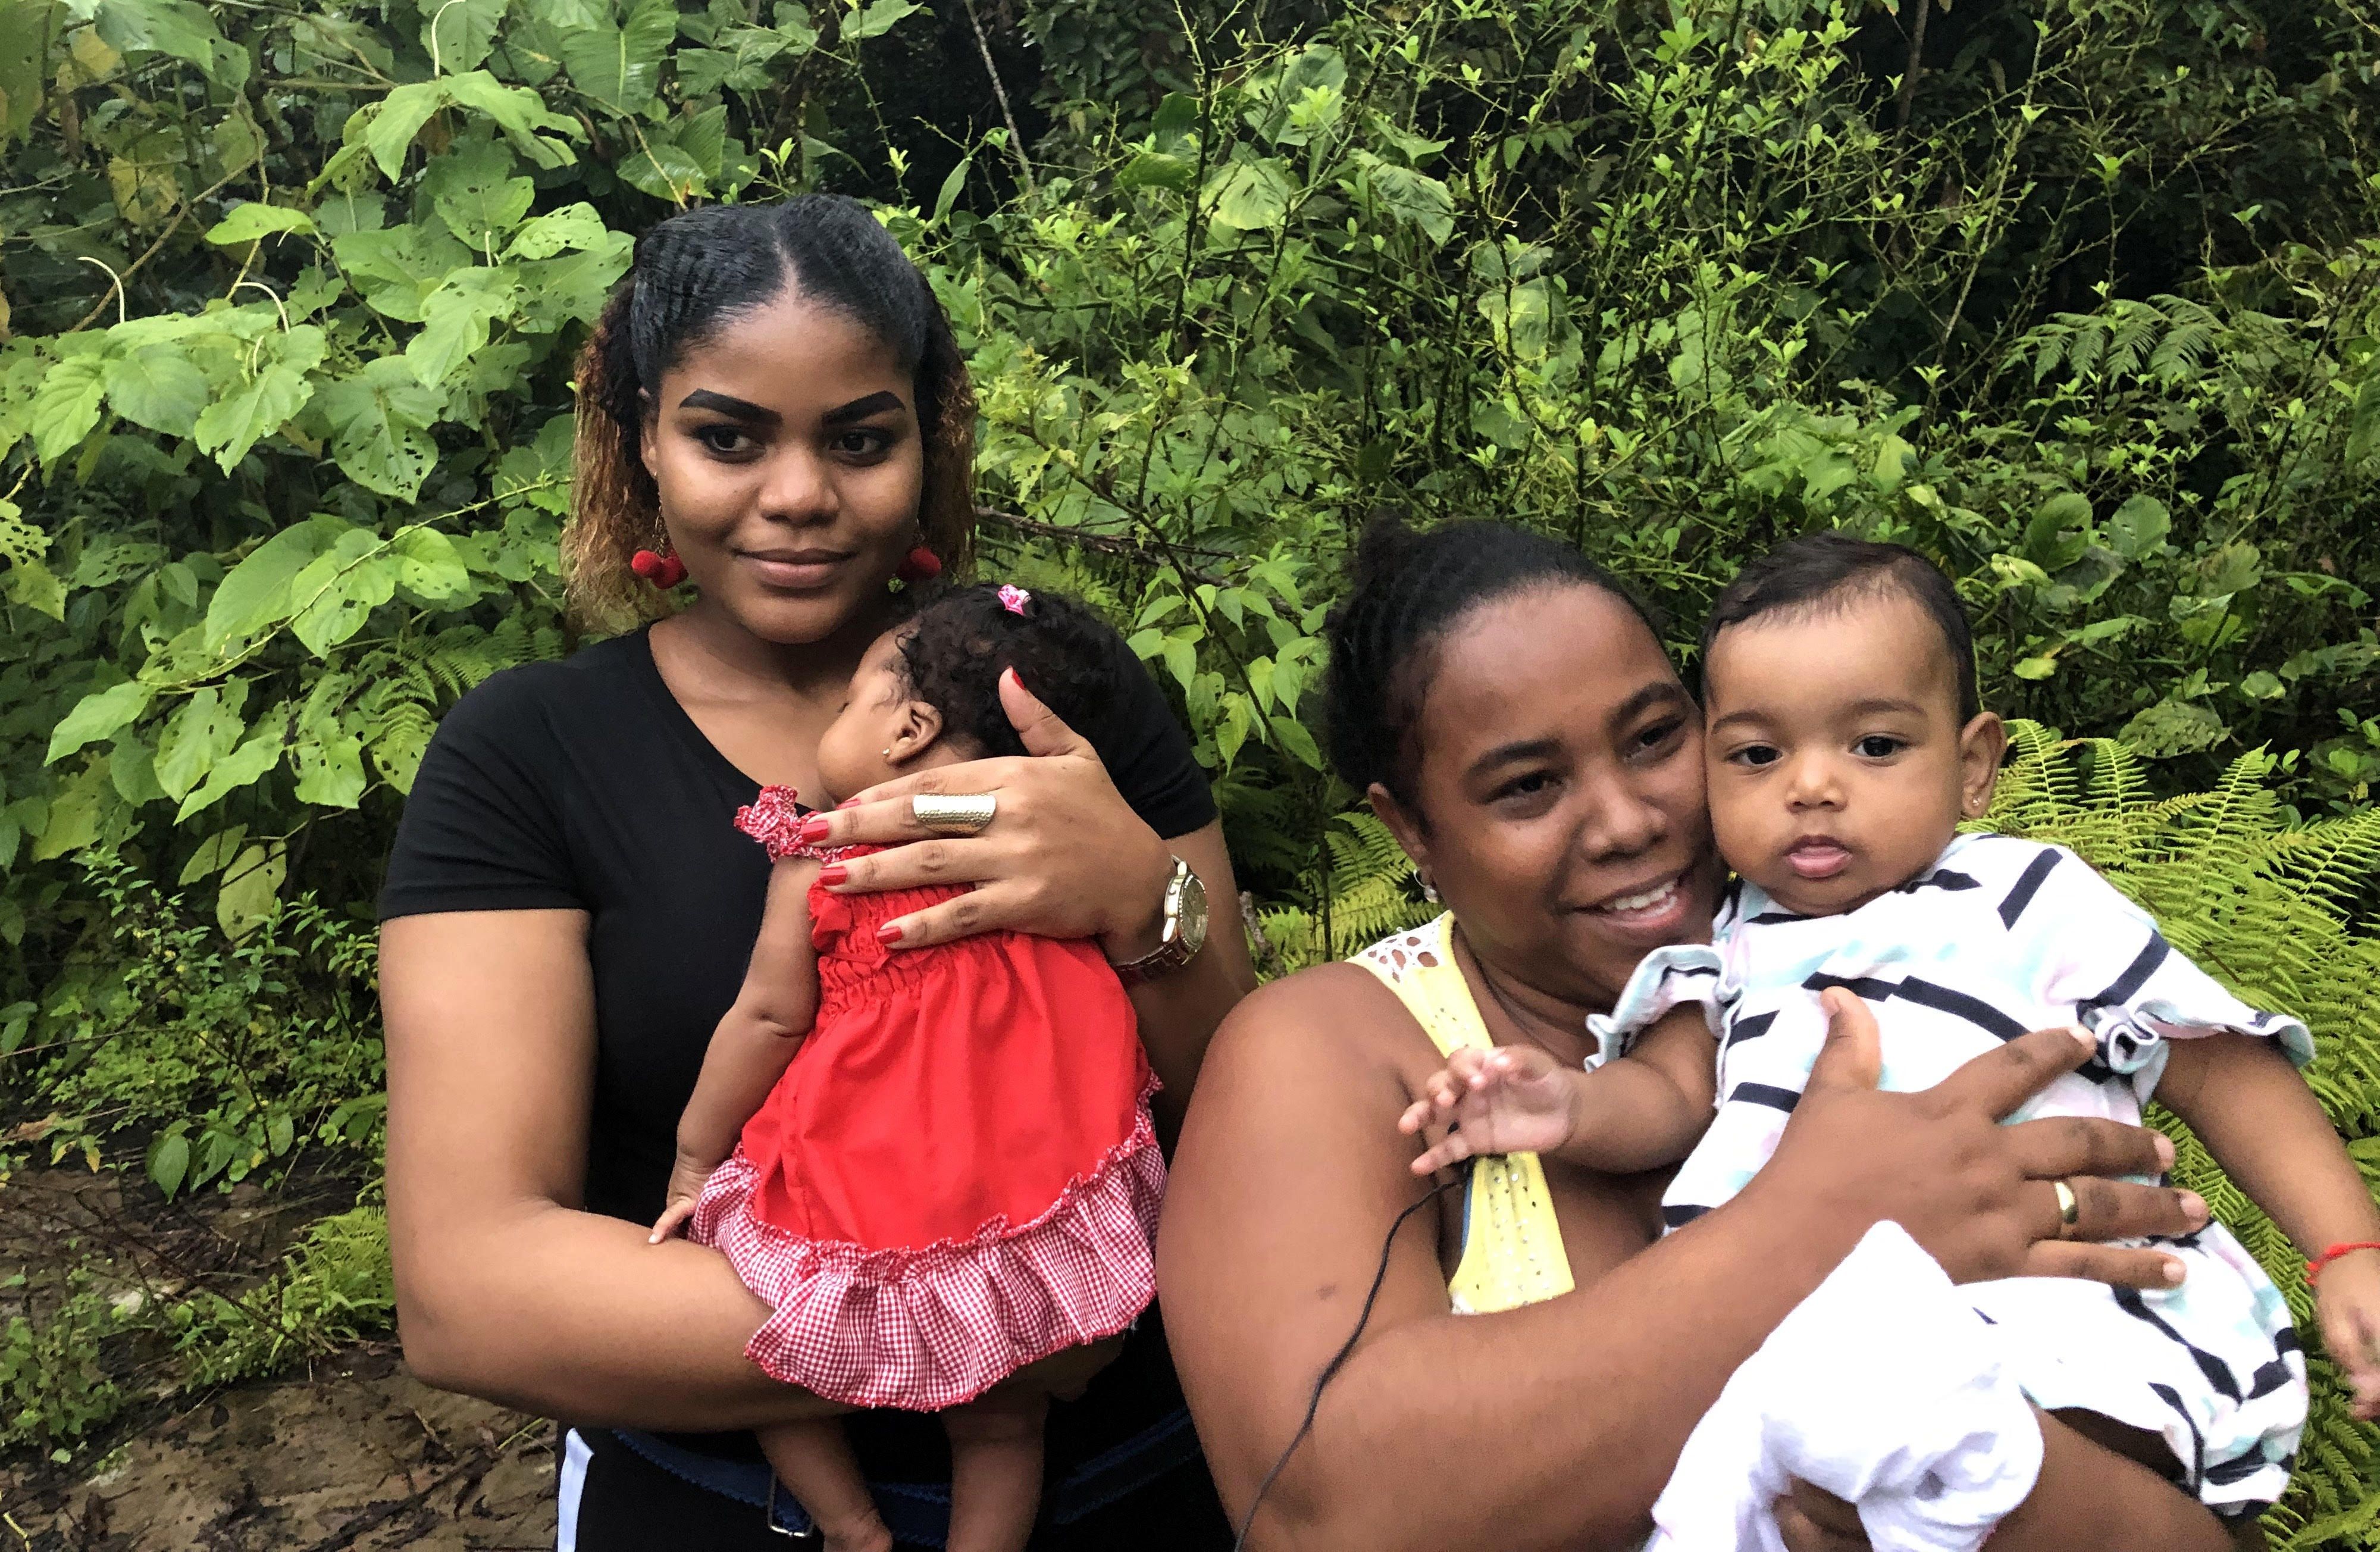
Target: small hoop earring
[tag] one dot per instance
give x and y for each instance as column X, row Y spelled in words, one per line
column 1429, row 889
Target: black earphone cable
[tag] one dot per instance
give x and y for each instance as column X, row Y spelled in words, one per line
column 1330, row 1369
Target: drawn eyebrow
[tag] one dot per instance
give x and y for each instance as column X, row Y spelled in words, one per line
column 860, row 409
column 735, row 409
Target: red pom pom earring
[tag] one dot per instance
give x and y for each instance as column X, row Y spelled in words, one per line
column 921, row 565
column 661, row 568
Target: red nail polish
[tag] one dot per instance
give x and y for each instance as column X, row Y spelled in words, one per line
column 889, row 933
column 833, row 873
column 848, row 803
column 813, row 829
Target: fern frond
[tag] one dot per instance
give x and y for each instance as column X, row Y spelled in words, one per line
column 2269, row 907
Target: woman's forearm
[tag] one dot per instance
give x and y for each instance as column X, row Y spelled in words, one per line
column 1575, row 1409
column 1180, row 1013
column 572, row 1314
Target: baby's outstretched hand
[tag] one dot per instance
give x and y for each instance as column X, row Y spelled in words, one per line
column 2346, row 1296
column 1511, row 1099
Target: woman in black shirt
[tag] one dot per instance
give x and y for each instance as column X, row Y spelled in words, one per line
column 773, row 400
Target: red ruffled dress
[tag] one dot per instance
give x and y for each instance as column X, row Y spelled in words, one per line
column 957, row 1175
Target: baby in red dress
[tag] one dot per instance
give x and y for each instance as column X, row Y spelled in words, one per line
column 936, row 1165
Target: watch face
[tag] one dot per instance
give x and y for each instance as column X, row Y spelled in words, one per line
column 1192, row 929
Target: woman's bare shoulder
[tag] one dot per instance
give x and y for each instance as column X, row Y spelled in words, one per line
column 1331, row 1018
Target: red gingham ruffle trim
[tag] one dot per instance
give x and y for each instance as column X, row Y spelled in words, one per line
column 926, row 1330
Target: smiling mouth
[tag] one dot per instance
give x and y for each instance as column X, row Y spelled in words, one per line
column 1644, row 902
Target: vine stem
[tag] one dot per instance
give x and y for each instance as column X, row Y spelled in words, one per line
column 180, row 216
column 1015, row 136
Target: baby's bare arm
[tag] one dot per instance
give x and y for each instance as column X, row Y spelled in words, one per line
column 1649, row 1107
column 2263, row 1124
column 771, row 1015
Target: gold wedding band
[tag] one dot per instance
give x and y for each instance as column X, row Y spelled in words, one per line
column 954, row 813
column 2070, row 1211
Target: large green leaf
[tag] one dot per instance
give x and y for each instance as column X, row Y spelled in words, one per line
column 251, row 888
column 100, row 714
column 456, row 33
column 180, row 27
column 230, row 427
column 206, row 728
column 158, row 387
column 1253, row 196
column 338, row 592
column 429, row 572
column 245, row 764
column 65, row 407
column 330, row 767
column 474, row 192
column 621, row 67
column 256, row 219
column 456, row 321
column 256, row 595
column 380, row 422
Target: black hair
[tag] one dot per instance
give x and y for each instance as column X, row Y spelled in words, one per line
column 1826, row 569
column 693, row 275
column 1409, row 589
column 955, row 649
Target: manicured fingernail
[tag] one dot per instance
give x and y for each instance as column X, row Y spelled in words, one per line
column 889, row 933
column 2173, row 1272
column 2164, row 1145
column 2193, row 1206
column 833, row 873
column 2090, row 1042
column 848, row 803
column 813, row 829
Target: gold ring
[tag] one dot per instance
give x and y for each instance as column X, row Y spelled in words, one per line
column 2070, row 1211
column 954, row 813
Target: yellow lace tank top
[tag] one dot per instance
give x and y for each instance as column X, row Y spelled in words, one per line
column 1512, row 1252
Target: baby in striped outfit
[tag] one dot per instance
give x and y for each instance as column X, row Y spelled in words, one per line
column 1843, row 745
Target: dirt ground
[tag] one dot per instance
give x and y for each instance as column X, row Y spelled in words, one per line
column 350, row 1454
column 355, row 1456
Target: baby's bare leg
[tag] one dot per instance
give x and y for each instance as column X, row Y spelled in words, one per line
column 995, row 1469
column 815, row 1462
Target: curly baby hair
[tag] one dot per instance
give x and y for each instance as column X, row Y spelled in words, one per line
column 956, row 647
column 1409, row 587
column 1819, row 571
column 693, row 274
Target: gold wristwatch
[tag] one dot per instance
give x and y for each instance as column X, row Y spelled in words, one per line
column 1185, row 929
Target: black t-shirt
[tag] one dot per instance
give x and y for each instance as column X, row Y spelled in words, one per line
column 583, row 785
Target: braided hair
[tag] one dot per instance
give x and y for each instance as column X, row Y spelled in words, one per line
column 954, row 649
column 693, row 274
column 1409, row 591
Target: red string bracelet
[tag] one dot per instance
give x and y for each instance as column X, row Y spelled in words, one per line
column 2332, row 1253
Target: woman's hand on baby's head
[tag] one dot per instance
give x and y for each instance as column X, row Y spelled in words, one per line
column 1064, row 855
column 2347, row 1300
column 1508, row 1099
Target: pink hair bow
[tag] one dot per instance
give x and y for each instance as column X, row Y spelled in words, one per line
column 1013, row 598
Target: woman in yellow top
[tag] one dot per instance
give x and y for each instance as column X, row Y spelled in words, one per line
column 1530, row 1368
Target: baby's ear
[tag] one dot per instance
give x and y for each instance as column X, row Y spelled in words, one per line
column 919, row 729
column 1982, row 744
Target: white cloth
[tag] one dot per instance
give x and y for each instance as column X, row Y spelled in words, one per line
column 1998, row 937
column 1884, row 1388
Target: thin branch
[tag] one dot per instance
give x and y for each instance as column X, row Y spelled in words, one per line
column 1015, row 136
column 180, row 216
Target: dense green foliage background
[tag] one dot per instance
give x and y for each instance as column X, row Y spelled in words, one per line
column 2081, row 297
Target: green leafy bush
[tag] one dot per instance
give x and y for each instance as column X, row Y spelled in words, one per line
column 2082, row 299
